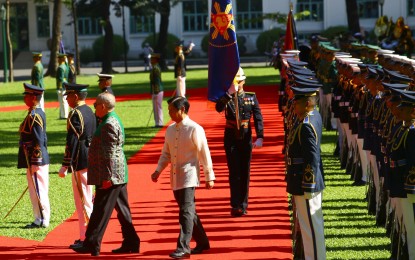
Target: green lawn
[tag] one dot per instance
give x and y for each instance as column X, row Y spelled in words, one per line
column 350, row 232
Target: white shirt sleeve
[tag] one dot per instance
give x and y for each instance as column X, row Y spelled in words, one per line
column 199, row 138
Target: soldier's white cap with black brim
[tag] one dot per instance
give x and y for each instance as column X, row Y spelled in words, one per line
column 104, row 76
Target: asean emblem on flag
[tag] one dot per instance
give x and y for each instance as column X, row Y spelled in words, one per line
column 221, row 21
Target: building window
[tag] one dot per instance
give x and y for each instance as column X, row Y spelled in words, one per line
column 313, row 8
column 195, row 15
column 368, row 8
column 89, row 26
column 142, row 24
column 249, row 15
column 411, row 8
column 42, row 14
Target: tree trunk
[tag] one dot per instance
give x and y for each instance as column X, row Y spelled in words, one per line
column 108, row 38
column 9, row 43
column 56, row 35
column 163, row 32
column 352, row 16
column 75, row 28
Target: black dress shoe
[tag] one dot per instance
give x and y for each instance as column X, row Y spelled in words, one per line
column 77, row 243
column 33, row 225
column 199, row 249
column 238, row 212
column 127, row 250
column 179, row 255
column 85, row 250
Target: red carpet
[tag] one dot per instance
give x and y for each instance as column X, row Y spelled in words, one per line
column 262, row 234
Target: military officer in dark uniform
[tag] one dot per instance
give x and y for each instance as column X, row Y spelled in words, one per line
column 304, row 176
column 81, row 125
column 33, row 155
column 238, row 139
column 105, row 82
column 402, row 167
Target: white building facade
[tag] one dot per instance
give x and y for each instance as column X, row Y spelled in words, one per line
column 31, row 23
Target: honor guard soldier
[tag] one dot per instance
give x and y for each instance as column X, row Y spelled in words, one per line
column 156, row 90
column 105, row 82
column 81, row 125
column 33, row 155
column 239, row 107
column 72, row 68
column 61, row 78
column 37, row 75
column 402, row 169
column 304, row 176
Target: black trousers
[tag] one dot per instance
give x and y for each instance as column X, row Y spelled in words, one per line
column 106, row 200
column 238, row 155
column 190, row 225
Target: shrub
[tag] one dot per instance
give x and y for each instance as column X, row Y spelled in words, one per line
column 266, row 39
column 117, row 48
column 87, row 55
column 171, row 43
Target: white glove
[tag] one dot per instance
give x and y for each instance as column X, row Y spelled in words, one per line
column 63, row 171
column 308, row 195
column 34, row 168
column 233, row 88
column 258, row 143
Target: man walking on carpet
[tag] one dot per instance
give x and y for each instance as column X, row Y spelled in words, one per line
column 185, row 147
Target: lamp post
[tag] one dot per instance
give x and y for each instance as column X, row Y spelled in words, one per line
column 381, row 2
column 3, row 19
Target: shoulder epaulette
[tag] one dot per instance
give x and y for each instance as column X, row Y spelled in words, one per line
column 81, row 119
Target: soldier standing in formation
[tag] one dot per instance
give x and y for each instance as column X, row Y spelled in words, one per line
column 37, row 75
column 61, row 78
column 33, row 155
column 180, row 68
column 105, row 82
column 72, row 68
column 239, row 107
column 156, row 90
column 81, row 125
column 374, row 86
column 304, row 176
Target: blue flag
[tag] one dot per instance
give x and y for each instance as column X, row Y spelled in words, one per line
column 223, row 49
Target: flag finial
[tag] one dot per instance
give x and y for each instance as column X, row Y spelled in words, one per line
column 291, row 6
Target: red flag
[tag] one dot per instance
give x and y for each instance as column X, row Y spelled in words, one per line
column 291, row 39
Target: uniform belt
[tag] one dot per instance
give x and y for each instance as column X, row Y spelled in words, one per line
column 232, row 123
column 338, row 97
column 291, row 161
column 398, row 163
column 354, row 115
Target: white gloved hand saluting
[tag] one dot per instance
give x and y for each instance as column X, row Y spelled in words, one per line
column 258, row 143
column 232, row 89
column 63, row 171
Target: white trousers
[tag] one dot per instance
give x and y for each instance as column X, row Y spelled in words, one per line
column 180, row 86
column 158, row 108
column 38, row 182
column 407, row 207
column 83, row 201
column 42, row 103
column 63, row 105
column 310, row 217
